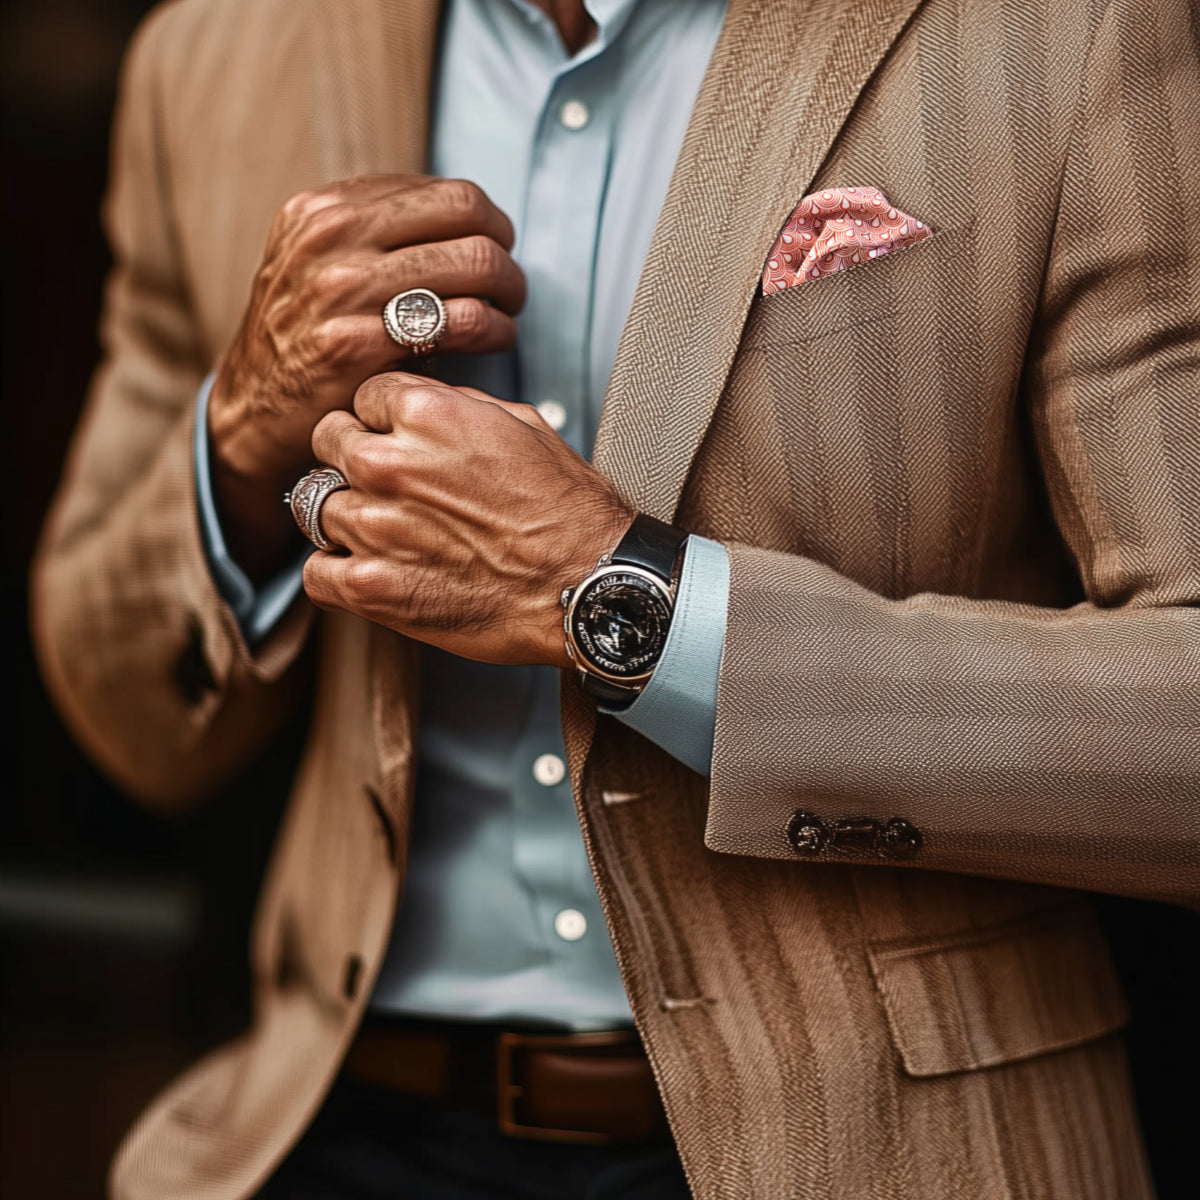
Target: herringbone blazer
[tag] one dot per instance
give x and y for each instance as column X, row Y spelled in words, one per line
column 960, row 487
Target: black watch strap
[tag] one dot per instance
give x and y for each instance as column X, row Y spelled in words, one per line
column 653, row 545
column 650, row 543
column 611, row 695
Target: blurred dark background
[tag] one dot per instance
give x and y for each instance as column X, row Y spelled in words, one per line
column 122, row 936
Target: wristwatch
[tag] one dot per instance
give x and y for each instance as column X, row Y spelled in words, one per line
column 616, row 620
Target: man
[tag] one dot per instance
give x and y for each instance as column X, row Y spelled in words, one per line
column 937, row 497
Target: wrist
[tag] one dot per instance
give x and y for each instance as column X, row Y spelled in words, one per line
column 601, row 538
column 249, row 477
column 245, row 448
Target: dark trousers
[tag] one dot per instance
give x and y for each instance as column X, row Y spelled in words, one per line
column 368, row 1144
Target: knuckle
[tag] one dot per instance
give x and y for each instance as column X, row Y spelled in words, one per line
column 484, row 256
column 420, row 404
column 298, row 206
column 333, row 343
column 313, row 575
column 327, row 226
column 373, row 524
column 374, row 392
column 366, row 580
column 325, row 435
column 465, row 197
column 326, row 426
column 471, row 320
column 371, row 459
column 339, row 282
column 360, row 340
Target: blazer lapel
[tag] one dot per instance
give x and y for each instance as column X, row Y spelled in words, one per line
column 782, row 81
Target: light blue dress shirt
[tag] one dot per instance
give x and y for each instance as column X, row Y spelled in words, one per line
column 500, row 918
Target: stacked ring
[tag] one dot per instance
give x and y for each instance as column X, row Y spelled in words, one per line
column 307, row 497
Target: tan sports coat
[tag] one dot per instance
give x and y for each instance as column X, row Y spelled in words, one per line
column 961, row 491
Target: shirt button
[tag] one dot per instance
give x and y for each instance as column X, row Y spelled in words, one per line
column 553, row 413
column 549, row 769
column 570, row 924
column 574, row 114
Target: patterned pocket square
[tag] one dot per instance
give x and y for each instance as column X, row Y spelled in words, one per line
column 834, row 231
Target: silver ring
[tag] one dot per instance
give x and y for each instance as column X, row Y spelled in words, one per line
column 306, row 498
column 415, row 319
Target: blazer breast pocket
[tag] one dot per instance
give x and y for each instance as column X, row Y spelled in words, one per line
column 911, row 282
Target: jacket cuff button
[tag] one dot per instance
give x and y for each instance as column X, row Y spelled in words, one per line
column 899, row 839
column 808, row 834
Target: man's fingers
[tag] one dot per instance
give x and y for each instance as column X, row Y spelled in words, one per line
column 467, row 266
column 341, row 440
column 437, row 210
column 385, row 213
column 299, row 208
column 383, row 398
column 394, row 398
column 472, row 327
column 523, row 412
column 363, row 584
column 324, row 576
column 386, row 398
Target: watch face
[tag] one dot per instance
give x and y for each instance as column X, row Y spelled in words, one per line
column 620, row 623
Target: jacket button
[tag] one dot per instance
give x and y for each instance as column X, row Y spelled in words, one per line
column 808, row 834
column 900, row 839
column 193, row 676
column 351, row 977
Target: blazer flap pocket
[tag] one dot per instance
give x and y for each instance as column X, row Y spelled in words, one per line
column 1002, row 994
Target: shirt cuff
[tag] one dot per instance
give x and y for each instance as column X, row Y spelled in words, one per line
column 677, row 709
column 257, row 610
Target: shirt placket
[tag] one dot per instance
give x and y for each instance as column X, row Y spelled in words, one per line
column 564, row 204
column 559, row 231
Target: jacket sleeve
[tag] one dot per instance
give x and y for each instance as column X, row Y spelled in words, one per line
column 140, row 652
column 1060, row 747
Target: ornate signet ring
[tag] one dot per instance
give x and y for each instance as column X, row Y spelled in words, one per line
column 415, row 319
column 306, row 498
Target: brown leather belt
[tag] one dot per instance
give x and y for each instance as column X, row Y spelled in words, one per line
column 583, row 1088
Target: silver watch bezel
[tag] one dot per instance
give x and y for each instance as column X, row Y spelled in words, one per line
column 571, row 598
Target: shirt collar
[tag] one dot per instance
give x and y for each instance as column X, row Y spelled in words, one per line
column 611, row 17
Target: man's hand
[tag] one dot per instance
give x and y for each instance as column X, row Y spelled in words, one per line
column 313, row 330
column 464, row 519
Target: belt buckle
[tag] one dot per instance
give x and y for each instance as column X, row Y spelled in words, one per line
column 510, row 1089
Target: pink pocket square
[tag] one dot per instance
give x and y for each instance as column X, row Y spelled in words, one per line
column 835, row 230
